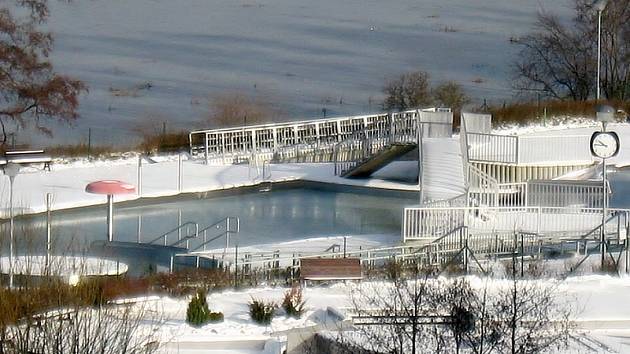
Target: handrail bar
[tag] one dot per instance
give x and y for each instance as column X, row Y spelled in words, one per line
column 176, row 229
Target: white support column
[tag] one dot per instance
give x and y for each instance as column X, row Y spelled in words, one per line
column 338, row 130
column 206, row 149
column 110, row 217
column 274, row 131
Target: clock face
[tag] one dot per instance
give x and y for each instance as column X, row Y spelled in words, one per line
column 604, row 144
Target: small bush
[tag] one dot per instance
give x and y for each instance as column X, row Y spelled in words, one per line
column 293, row 302
column 262, row 312
column 609, row 267
column 198, row 313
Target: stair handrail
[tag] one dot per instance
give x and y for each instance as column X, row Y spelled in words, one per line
column 179, row 227
column 225, row 233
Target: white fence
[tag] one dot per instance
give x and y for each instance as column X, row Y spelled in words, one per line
column 513, row 149
column 292, row 137
column 432, row 223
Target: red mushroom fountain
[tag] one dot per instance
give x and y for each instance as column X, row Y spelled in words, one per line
column 110, row 188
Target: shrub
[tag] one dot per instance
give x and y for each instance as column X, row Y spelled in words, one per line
column 262, row 312
column 293, row 302
column 198, row 313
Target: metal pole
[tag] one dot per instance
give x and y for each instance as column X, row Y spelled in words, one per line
column 48, row 227
column 110, row 217
column 599, row 47
column 139, row 175
column 238, row 224
column 179, row 173
column 604, row 202
column 89, row 147
column 139, row 228
column 179, row 224
column 11, row 180
column 419, row 143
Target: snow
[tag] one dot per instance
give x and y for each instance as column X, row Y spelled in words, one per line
column 598, row 303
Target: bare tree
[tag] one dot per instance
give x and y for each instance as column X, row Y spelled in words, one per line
column 560, row 61
column 29, row 86
column 450, row 94
column 57, row 318
column 447, row 315
column 401, row 316
column 236, row 109
column 407, row 91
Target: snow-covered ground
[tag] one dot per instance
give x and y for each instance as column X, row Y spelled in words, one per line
column 302, row 56
column 598, row 303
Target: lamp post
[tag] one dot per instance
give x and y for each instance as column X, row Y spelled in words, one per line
column 599, row 5
column 605, row 114
column 11, row 170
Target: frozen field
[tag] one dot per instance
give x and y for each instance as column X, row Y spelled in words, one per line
column 301, row 55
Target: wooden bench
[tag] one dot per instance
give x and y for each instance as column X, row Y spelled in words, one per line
column 26, row 157
column 321, row 269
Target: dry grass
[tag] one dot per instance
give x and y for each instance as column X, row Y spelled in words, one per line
column 525, row 112
column 170, row 142
column 82, row 149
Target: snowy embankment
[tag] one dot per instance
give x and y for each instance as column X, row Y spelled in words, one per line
column 599, row 314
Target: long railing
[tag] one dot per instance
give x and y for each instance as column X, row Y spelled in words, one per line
column 439, row 252
column 566, row 193
column 484, row 190
column 278, row 139
column 433, row 223
column 513, row 149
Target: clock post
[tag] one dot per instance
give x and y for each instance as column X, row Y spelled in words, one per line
column 604, row 145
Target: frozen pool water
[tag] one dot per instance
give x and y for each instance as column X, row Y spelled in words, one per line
column 286, row 213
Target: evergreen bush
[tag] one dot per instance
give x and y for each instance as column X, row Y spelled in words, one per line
column 293, row 302
column 198, row 312
column 262, row 312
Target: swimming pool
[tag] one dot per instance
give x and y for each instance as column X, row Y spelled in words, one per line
column 290, row 211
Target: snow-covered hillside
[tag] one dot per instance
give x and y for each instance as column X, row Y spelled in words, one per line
column 302, row 55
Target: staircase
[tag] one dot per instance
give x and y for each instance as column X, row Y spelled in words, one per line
column 375, row 162
column 442, row 169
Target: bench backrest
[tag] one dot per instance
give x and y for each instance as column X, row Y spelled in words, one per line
column 330, row 269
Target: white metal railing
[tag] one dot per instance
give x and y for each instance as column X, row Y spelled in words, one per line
column 554, row 149
column 513, row 149
column 566, row 193
column 432, row 223
column 492, row 148
column 294, row 138
column 484, row 190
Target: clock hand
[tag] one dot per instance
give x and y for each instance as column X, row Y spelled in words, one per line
column 601, row 144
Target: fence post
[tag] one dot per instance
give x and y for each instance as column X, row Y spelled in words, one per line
column 48, row 227
column 522, row 254
column 139, row 228
column 139, row 175
column 180, row 176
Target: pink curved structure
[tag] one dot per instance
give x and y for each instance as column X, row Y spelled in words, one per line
column 110, row 188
